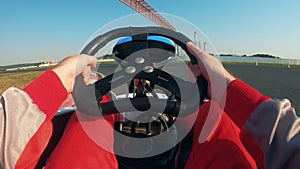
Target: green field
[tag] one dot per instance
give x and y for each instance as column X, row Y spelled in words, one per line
column 19, row 79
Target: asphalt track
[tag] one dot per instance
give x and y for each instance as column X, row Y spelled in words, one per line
column 274, row 81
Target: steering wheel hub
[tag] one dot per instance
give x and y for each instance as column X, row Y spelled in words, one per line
column 145, row 64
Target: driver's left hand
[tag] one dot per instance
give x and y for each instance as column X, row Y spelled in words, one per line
column 73, row 66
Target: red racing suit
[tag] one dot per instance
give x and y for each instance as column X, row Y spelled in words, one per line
column 254, row 131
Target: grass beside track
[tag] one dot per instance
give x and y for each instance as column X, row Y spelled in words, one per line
column 17, row 79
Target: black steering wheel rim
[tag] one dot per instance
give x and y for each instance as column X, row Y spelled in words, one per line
column 100, row 41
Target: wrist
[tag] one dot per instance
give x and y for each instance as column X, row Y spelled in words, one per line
column 229, row 78
column 65, row 77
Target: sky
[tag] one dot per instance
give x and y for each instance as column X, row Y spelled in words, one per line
column 34, row 30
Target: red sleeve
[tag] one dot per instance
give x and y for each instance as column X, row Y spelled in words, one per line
column 241, row 101
column 48, row 92
column 229, row 137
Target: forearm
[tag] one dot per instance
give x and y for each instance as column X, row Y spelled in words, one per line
column 275, row 127
column 48, row 92
column 241, row 101
column 273, row 124
column 25, row 120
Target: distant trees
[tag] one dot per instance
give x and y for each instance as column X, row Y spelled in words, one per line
column 107, row 56
column 265, row 56
column 256, row 55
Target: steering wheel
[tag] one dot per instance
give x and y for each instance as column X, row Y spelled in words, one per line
column 185, row 101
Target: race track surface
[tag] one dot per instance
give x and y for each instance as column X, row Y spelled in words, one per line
column 274, row 81
column 271, row 80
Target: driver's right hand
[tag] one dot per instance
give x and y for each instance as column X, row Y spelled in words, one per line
column 209, row 67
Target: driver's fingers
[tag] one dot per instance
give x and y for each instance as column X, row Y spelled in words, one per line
column 210, row 66
column 86, row 75
column 202, row 58
column 84, row 61
column 195, row 69
column 196, row 51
